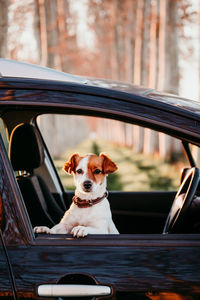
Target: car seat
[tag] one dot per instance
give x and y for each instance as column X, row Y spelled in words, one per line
column 26, row 154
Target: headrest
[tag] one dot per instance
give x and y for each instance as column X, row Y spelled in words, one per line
column 25, row 148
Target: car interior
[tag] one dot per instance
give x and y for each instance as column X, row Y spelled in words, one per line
column 134, row 212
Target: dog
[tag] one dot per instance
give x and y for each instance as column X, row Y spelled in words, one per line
column 90, row 211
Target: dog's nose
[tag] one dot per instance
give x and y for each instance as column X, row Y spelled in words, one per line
column 87, row 184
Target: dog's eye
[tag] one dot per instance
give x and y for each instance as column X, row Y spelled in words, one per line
column 79, row 171
column 97, row 171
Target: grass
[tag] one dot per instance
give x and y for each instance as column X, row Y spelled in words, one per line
column 136, row 172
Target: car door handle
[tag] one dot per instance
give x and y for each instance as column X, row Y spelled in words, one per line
column 72, row 290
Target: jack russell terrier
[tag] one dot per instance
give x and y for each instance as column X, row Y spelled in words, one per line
column 90, row 211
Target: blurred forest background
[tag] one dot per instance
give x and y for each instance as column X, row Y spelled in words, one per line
column 154, row 43
column 138, row 41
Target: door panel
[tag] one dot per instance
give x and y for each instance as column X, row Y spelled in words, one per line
column 130, row 264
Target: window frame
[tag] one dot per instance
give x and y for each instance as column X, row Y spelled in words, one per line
column 74, row 102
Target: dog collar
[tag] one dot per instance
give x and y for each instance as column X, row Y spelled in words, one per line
column 83, row 203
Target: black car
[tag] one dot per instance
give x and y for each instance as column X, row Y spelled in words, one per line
column 157, row 253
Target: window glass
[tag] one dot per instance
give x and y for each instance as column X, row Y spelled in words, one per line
column 147, row 160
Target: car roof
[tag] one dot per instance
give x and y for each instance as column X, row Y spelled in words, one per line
column 12, row 68
column 20, row 70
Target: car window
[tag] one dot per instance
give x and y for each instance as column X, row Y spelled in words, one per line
column 141, row 191
column 147, row 160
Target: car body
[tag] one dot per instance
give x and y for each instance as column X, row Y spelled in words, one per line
column 137, row 264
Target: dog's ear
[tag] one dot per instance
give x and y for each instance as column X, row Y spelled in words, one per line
column 109, row 166
column 71, row 164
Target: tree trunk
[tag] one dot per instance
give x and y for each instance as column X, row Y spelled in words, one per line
column 171, row 82
column 150, row 137
column 40, row 31
column 161, row 44
column 145, row 43
column 130, row 40
column 138, row 139
column 168, row 59
column 52, row 34
column 4, row 27
column 63, row 14
column 138, row 42
column 163, row 141
column 153, row 46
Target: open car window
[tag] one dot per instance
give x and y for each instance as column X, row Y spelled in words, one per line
column 151, row 166
column 147, row 160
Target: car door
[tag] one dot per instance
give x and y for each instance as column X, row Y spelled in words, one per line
column 125, row 266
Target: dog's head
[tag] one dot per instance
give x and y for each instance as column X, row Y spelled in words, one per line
column 90, row 171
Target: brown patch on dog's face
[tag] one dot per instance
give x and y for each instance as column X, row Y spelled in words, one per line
column 99, row 167
column 71, row 164
column 95, row 169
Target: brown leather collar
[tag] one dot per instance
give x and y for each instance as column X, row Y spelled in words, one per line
column 82, row 203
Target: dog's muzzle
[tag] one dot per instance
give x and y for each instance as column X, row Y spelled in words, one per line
column 87, row 185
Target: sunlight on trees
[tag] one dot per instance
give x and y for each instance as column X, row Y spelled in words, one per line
column 151, row 43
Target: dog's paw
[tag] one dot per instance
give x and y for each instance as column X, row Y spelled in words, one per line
column 79, row 231
column 42, row 229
